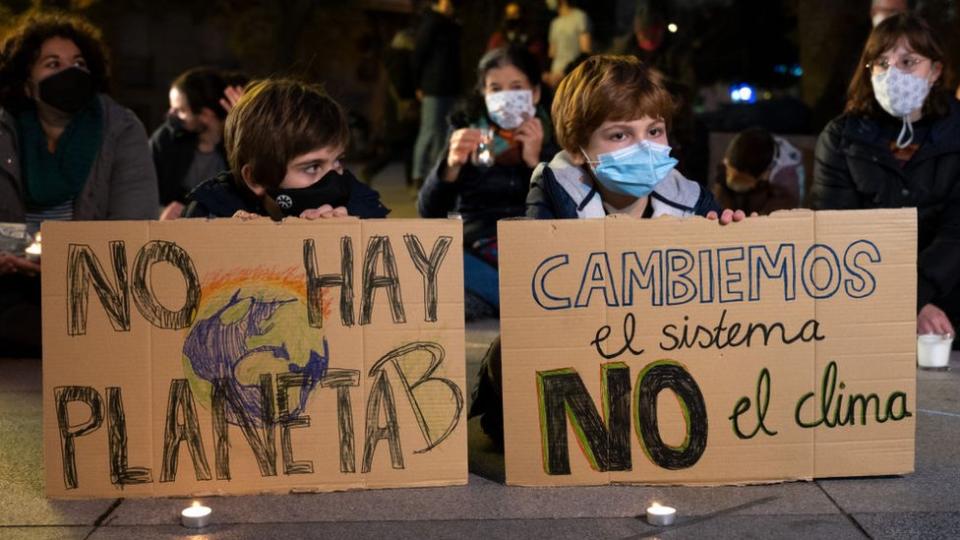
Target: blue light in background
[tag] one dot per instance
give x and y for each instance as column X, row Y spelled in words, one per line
column 743, row 93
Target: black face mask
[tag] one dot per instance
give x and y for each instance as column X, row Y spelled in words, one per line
column 333, row 189
column 68, row 90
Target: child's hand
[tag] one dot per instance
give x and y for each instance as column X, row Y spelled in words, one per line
column 324, row 212
column 462, row 143
column 530, row 136
column 245, row 216
column 729, row 216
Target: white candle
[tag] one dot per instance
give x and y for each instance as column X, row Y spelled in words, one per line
column 33, row 251
column 661, row 516
column 195, row 516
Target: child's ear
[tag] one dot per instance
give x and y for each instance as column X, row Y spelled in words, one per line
column 246, row 172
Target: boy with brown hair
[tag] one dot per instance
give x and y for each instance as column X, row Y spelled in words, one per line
column 611, row 116
column 285, row 140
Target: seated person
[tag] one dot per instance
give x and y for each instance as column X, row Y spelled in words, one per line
column 515, row 132
column 745, row 179
column 284, row 142
column 188, row 147
column 897, row 145
column 69, row 152
column 610, row 115
column 611, row 118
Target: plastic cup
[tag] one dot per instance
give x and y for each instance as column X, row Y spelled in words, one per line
column 933, row 351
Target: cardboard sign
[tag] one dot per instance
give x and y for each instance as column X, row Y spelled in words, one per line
column 683, row 352
column 230, row 357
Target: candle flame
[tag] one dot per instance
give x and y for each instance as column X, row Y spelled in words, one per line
column 196, row 504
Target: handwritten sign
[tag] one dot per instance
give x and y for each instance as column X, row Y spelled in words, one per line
column 679, row 351
column 197, row 357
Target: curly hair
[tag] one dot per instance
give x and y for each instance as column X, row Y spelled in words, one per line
column 21, row 49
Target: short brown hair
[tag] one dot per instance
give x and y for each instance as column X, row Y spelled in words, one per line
column 21, row 48
column 922, row 39
column 277, row 120
column 603, row 88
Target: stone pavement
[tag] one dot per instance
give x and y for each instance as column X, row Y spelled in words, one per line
column 925, row 504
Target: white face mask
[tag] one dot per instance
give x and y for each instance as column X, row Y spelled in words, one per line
column 900, row 94
column 508, row 107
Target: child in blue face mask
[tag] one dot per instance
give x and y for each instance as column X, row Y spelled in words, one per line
column 611, row 116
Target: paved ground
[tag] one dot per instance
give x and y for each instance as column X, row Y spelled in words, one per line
column 925, row 504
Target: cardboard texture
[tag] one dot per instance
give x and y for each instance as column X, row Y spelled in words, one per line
column 681, row 352
column 225, row 357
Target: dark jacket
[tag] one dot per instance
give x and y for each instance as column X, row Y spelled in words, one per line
column 557, row 191
column 436, row 57
column 220, row 197
column 122, row 183
column 855, row 168
column 173, row 150
column 482, row 195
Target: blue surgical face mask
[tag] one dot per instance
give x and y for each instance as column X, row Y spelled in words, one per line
column 634, row 170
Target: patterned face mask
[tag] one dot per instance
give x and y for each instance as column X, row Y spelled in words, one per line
column 507, row 108
column 900, row 94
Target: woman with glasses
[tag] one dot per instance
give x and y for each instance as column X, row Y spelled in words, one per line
column 896, row 145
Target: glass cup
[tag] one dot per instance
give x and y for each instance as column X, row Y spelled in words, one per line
column 483, row 155
column 933, row 351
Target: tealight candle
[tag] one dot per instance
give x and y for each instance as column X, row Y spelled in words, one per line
column 661, row 516
column 33, row 252
column 195, row 516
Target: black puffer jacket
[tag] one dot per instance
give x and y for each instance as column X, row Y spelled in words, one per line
column 856, row 169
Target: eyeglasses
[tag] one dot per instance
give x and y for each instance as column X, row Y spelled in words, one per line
column 905, row 64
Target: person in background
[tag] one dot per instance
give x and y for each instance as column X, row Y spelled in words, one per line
column 610, row 115
column 516, row 30
column 285, row 140
column 506, row 106
column 188, row 147
column 402, row 112
column 880, row 10
column 897, row 145
column 436, row 64
column 67, row 152
column 745, row 179
column 569, row 40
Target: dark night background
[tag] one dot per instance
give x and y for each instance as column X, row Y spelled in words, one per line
column 341, row 43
